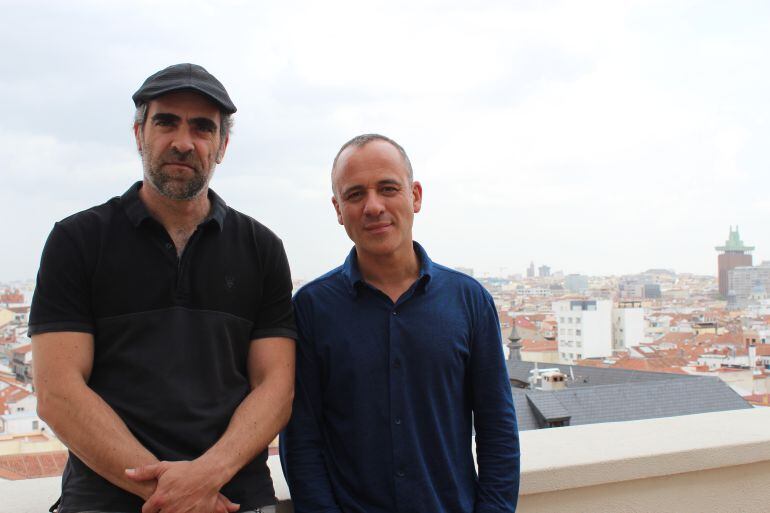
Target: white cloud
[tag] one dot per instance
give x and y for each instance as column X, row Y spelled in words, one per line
column 597, row 136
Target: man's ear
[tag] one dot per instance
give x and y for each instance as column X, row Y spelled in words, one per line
column 337, row 209
column 138, row 137
column 416, row 196
column 222, row 149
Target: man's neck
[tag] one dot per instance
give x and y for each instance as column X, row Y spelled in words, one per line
column 180, row 218
column 393, row 274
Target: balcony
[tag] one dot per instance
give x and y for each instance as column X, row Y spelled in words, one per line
column 716, row 462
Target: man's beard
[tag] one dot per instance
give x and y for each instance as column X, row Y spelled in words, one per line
column 164, row 182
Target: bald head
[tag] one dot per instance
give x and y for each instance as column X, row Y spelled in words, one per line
column 360, row 141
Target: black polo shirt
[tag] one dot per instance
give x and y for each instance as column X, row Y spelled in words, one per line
column 171, row 334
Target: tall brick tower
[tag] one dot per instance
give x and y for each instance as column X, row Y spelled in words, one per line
column 734, row 254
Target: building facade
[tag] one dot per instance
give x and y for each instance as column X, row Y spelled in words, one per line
column 749, row 282
column 628, row 325
column 734, row 254
column 584, row 328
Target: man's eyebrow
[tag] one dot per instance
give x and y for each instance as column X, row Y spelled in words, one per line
column 165, row 116
column 352, row 188
column 203, row 122
column 386, row 181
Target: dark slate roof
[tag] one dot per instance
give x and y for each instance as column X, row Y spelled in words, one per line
column 591, row 376
column 626, row 401
column 547, row 408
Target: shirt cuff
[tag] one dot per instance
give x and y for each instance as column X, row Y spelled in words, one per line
column 50, row 327
column 273, row 332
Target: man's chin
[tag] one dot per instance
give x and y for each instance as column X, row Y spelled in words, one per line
column 179, row 191
column 383, row 247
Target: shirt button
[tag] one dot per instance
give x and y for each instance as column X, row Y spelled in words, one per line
column 397, row 364
column 398, row 422
column 400, row 473
column 395, row 313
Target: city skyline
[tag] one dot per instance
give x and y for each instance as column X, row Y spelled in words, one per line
column 598, row 138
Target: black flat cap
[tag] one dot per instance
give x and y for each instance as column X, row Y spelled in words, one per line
column 184, row 76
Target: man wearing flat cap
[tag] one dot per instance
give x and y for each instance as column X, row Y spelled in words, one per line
column 162, row 326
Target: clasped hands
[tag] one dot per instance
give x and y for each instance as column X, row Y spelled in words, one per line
column 182, row 487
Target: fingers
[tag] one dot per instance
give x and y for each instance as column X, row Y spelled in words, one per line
column 144, row 473
column 229, row 506
column 153, row 505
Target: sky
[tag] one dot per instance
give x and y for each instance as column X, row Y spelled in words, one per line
column 596, row 137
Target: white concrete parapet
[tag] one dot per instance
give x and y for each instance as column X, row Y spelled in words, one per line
column 711, row 462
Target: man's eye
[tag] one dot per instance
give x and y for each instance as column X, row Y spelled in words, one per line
column 206, row 128
column 354, row 195
column 390, row 189
column 163, row 122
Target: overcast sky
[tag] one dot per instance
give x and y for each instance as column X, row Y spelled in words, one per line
column 599, row 137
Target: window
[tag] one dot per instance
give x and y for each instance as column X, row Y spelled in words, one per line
column 35, row 425
column 578, row 332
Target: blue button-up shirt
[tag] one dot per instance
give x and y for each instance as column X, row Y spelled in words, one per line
column 386, row 395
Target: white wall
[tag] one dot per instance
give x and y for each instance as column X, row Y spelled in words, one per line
column 22, row 418
column 597, row 331
column 711, row 462
column 588, row 335
column 628, row 327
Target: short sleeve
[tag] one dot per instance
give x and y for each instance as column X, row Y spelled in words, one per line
column 275, row 314
column 62, row 298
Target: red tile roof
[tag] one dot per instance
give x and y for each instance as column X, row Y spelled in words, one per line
column 670, row 365
column 758, row 399
column 10, row 395
column 32, row 465
column 675, row 337
column 524, row 322
column 531, row 345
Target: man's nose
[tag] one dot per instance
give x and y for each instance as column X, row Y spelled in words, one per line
column 183, row 142
column 373, row 205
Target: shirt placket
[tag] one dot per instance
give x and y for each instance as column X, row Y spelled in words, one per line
column 398, row 395
column 397, row 385
column 182, row 292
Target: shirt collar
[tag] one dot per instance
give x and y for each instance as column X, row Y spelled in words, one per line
column 353, row 276
column 137, row 211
